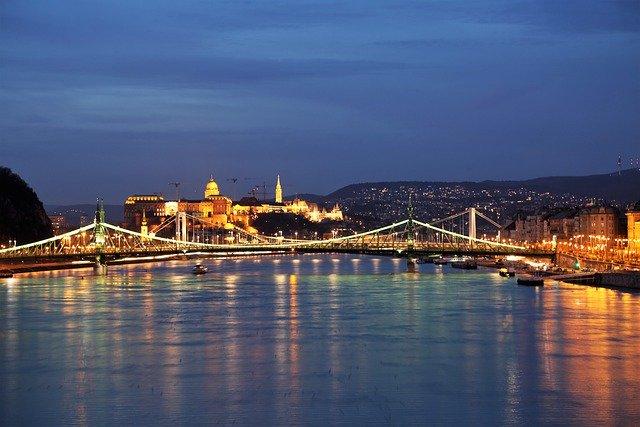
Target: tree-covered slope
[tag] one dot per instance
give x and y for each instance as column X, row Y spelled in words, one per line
column 22, row 216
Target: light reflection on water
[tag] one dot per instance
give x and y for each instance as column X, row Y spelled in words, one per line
column 314, row 340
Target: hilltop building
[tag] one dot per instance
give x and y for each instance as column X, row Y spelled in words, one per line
column 213, row 211
column 250, row 206
column 147, row 213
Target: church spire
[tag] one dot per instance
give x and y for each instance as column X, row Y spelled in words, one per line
column 144, row 228
column 278, row 191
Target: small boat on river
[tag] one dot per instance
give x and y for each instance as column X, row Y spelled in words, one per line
column 5, row 274
column 199, row 269
column 505, row 272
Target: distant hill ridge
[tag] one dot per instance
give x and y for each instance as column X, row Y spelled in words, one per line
column 623, row 187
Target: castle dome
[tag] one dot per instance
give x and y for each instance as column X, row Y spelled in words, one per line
column 211, row 189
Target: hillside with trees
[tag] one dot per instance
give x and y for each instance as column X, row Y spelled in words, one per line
column 22, row 215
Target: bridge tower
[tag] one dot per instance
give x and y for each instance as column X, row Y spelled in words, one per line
column 472, row 224
column 99, row 268
column 410, row 227
column 181, row 226
column 411, row 262
column 98, row 236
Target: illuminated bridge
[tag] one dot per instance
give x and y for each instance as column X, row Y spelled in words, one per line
column 101, row 243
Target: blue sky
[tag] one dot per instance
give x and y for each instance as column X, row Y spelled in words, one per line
column 112, row 98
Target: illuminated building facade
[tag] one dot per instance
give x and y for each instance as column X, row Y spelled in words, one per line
column 214, row 210
column 633, row 228
column 600, row 224
column 147, row 213
column 278, row 191
column 250, row 206
column 593, row 224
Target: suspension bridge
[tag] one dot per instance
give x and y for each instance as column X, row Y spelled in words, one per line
column 101, row 243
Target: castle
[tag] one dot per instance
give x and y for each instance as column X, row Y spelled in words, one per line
column 149, row 213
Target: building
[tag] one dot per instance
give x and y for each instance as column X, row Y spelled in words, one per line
column 563, row 224
column 150, row 213
column 599, row 226
column 59, row 224
column 592, row 225
column 212, row 212
column 251, row 207
column 633, row 230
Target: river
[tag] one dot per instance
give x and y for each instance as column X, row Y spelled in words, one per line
column 314, row 340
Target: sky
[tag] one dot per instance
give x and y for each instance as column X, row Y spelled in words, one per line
column 105, row 99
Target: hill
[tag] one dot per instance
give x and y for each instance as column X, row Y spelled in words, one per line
column 382, row 202
column 114, row 214
column 623, row 188
column 22, row 216
column 619, row 189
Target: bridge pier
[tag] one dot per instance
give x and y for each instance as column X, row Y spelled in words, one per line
column 99, row 267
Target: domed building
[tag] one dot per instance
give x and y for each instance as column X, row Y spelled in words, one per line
column 213, row 211
column 211, row 189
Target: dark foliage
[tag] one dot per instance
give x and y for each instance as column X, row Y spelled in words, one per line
column 287, row 224
column 22, row 216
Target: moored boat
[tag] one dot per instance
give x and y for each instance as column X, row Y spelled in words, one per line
column 466, row 264
column 5, row 274
column 530, row 281
column 440, row 261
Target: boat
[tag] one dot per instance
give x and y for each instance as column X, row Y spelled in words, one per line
column 424, row 260
column 440, row 261
column 504, row 272
column 530, row 280
column 465, row 264
column 199, row 269
column 5, row 274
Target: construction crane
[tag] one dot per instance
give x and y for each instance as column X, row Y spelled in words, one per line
column 262, row 186
column 177, row 185
column 235, row 180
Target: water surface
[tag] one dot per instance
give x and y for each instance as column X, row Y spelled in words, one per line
column 314, row 340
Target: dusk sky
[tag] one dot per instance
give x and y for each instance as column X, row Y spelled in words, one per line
column 113, row 98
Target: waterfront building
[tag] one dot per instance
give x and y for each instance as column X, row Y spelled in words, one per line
column 592, row 225
column 633, row 229
column 528, row 227
column 599, row 225
column 563, row 224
